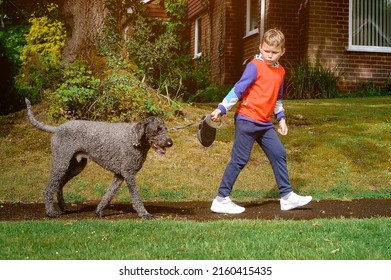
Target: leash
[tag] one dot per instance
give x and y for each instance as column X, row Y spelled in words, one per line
column 206, row 118
column 183, row 126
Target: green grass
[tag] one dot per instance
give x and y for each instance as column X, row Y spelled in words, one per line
column 339, row 150
column 178, row 240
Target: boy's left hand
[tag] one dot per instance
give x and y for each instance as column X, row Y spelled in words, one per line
column 282, row 127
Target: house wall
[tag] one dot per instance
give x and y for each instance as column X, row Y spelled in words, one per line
column 328, row 32
column 286, row 16
column 221, row 36
column 314, row 29
column 319, row 30
column 233, row 40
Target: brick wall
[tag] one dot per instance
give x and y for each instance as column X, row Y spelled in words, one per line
column 233, row 36
column 285, row 15
column 319, row 30
column 221, row 38
column 314, row 29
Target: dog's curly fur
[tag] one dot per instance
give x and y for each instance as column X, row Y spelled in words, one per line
column 119, row 147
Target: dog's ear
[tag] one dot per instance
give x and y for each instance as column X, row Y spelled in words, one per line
column 139, row 132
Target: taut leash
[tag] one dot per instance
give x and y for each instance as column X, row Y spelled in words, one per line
column 205, row 118
column 184, row 126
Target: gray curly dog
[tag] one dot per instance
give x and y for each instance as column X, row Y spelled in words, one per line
column 119, row 147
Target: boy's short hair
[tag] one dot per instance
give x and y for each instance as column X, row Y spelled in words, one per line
column 274, row 37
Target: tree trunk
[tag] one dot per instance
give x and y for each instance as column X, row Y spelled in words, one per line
column 83, row 20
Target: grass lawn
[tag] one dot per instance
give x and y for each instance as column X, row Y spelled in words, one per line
column 179, row 240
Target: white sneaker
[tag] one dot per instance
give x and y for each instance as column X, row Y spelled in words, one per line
column 226, row 207
column 293, row 200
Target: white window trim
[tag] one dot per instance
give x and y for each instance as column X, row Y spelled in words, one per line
column 197, row 53
column 248, row 16
column 263, row 13
column 356, row 48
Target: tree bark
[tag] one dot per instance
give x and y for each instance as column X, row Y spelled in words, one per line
column 83, row 20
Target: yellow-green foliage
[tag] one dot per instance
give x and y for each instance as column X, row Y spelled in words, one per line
column 46, row 37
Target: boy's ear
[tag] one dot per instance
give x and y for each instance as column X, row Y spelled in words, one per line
column 283, row 51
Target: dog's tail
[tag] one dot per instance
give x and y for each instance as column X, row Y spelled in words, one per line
column 34, row 122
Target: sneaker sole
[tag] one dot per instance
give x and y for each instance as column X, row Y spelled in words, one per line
column 285, row 208
column 224, row 212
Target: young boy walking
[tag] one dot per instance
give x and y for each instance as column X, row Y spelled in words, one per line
column 260, row 91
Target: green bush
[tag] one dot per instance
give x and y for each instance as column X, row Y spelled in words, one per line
column 46, row 36
column 36, row 76
column 211, row 94
column 41, row 55
column 12, row 41
column 117, row 96
column 312, row 80
column 75, row 96
column 160, row 48
column 367, row 89
column 195, row 78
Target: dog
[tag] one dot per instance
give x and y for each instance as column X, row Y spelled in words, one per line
column 118, row 147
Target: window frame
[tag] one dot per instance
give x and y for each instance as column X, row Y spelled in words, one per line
column 359, row 48
column 197, row 37
column 248, row 20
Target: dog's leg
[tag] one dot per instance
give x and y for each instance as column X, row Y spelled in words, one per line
column 54, row 185
column 136, row 199
column 114, row 186
column 75, row 167
column 59, row 176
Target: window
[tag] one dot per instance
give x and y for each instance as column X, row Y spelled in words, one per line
column 251, row 17
column 254, row 12
column 370, row 25
column 197, row 38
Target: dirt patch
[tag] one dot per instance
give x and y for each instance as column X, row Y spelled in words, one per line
column 199, row 211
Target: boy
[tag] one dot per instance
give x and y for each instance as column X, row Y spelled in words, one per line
column 260, row 91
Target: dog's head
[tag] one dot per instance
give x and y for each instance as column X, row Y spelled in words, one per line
column 152, row 131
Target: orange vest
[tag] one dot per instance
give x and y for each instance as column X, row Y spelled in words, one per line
column 260, row 98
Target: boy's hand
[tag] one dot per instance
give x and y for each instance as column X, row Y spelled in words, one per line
column 215, row 115
column 282, row 127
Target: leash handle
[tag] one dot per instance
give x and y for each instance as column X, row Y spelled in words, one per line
column 212, row 123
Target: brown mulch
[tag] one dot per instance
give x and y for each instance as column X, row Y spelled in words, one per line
column 199, row 211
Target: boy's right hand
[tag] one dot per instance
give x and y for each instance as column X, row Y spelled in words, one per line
column 215, row 115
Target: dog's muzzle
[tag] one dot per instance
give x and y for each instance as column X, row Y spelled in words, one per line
column 162, row 149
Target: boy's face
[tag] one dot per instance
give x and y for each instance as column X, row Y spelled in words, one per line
column 271, row 54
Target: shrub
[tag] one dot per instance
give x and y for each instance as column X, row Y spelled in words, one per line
column 74, row 97
column 117, row 96
column 160, row 49
column 195, row 78
column 211, row 94
column 12, row 41
column 46, row 36
column 312, row 80
column 41, row 55
column 369, row 89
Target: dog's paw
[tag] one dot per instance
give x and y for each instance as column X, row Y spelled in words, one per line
column 147, row 216
column 53, row 215
column 99, row 214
